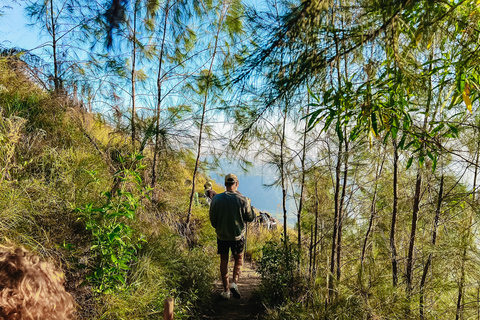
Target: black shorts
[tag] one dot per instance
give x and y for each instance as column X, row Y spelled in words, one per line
column 236, row 245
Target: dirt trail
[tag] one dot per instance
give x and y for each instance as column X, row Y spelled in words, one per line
column 237, row 309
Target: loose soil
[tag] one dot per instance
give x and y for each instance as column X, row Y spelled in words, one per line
column 247, row 307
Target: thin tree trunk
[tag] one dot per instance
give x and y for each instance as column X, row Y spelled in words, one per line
column 394, row 215
column 316, row 230
column 474, row 193
column 56, row 80
column 310, row 256
column 475, row 174
column 282, row 177
column 335, row 220
column 204, row 110
column 418, row 184
column 434, row 240
column 340, row 211
column 459, row 313
column 159, row 97
column 134, row 54
column 373, row 211
column 302, row 187
column 416, row 202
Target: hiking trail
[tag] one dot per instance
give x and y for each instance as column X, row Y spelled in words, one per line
column 247, row 307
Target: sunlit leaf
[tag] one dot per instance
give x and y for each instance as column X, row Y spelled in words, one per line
column 466, row 97
column 421, row 160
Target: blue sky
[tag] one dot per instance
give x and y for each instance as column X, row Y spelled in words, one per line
column 15, row 32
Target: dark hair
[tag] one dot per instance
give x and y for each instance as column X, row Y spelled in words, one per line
column 30, row 288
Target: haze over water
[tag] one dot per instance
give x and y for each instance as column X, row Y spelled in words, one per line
column 252, row 185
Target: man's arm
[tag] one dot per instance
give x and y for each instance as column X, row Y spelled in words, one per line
column 213, row 215
column 249, row 215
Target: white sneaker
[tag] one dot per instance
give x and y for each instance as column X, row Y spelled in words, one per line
column 234, row 290
column 225, row 295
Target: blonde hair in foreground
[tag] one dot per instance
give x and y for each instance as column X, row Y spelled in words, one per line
column 31, row 289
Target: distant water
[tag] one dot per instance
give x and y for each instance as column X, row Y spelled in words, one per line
column 252, row 185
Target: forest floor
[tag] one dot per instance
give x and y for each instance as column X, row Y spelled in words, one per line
column 247, row 307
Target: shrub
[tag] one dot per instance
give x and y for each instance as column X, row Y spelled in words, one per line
column 278, row 268
column 115, row 241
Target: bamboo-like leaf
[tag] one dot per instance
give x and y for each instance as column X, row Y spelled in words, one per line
column 466, row 97
column 409, row 163
column 434, row 163
column 374, row 124
column 394, row 128
column 421, row 160
column 461, row 82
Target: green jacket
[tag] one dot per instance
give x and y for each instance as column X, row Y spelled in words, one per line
column 229, row 212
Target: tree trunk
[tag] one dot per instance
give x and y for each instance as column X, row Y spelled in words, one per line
column 340, row 211
column 459, row 313
column 204, row 110
column 434, row 240
column 418, row 184
column 134, row 54
column 394, row 215
column 411, row 247
column 56, row 80
column 373, row 212
column 159, row 97
column 282, row 177
column 310, row 256
column 302, row 187
column 316, row 230
column 336, row 221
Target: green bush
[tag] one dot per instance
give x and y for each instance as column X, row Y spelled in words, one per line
column 278, row 268
column 115, row 241
column 165, row 267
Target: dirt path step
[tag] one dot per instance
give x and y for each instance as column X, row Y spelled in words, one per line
column 238, row 309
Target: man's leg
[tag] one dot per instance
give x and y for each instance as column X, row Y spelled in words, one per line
column 224, row 270
column 237, row 268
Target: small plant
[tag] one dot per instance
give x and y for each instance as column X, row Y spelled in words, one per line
column 278, row 268
column 115, row 243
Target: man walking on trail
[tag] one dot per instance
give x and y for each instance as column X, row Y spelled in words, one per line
column 229, row 213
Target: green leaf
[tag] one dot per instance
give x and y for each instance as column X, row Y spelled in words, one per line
column 374, row 123
column 120, row 278
column 112, row 236
column 438, row 128
column 430, row 155
column 123, row 266
column 386, row 138
column 394, row 128
column 409, row 162
column 453, row 129
column 402, row 142
column 312, row 94
column 421, row 160
column 461, row 82
column 434, row 164
column 338, row 129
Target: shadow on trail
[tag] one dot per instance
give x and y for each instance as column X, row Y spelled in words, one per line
column 247, row 307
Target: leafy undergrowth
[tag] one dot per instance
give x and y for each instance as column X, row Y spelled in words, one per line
column 66, row 194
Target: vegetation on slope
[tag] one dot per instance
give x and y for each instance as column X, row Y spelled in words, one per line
column 61, row 168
